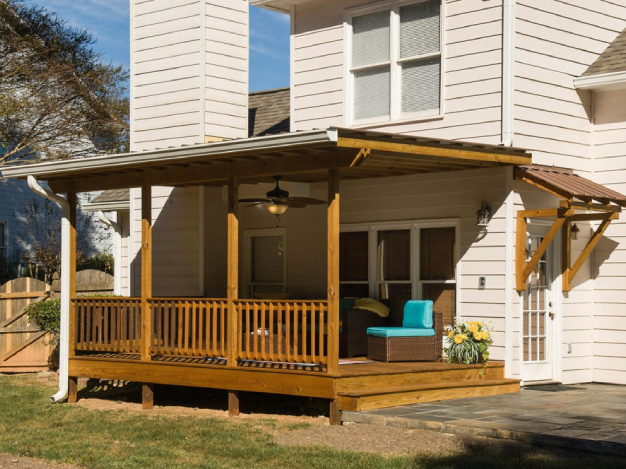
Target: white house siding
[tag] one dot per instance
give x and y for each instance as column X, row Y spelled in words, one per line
column 226, row 74
column 176, row 242
column 609, row 363
column 472, row 67
column 556, row 41
column 166, row 73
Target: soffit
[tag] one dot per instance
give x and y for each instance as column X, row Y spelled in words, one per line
column 297, row 156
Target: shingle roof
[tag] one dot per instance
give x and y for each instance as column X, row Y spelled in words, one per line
column 612, row 60
column 117, row 195
column 268, row 112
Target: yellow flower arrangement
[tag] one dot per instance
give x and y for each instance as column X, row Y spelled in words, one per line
column 468, row 342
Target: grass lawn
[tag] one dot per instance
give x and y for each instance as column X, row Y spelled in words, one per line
column 31, row 426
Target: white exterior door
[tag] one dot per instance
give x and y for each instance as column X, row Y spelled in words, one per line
column 538, row 315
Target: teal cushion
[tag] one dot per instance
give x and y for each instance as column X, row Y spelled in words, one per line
column 399, row 332
column 418, row 313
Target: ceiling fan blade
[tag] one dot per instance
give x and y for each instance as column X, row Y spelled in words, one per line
column 256, row 200
column 256, row 204
column 305, row 201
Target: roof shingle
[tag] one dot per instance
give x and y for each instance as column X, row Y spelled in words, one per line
column 612, row 60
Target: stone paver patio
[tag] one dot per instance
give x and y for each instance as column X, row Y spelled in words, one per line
column 590, row 417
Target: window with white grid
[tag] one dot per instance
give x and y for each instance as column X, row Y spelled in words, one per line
column 395, row 62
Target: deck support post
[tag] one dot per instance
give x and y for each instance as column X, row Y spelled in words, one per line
column 146, row 271
column 232, row 287
column 147, row 396
column 334, row 412
column 72, row 390
column 233, row 403
column 73, row 203
column 333, row 270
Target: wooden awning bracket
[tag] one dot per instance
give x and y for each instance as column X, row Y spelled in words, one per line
column 524, row 268
column 570, row 270
column 565, row 216
column 360, row 157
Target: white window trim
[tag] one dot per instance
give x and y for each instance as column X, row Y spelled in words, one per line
column 396, row 116
column 415, row 226
column 247, row 255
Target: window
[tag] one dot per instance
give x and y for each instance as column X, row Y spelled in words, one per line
column 397, row 262
column 3, row 240
column 265, row 261
column 395, row 66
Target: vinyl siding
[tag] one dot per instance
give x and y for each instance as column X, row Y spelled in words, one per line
column 556, row 41
column 609, row 138
column 471, row 62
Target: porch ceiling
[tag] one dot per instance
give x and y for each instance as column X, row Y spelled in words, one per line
column 297, row 156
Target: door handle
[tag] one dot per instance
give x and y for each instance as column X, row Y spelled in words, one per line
column 551, row 314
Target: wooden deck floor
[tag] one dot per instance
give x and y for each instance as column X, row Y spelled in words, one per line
column 356, row 386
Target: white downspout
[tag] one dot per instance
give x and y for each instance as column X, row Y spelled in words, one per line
column 508, row 71
column 117, row 255
column 65, row 285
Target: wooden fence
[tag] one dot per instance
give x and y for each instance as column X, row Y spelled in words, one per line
column 22, row 346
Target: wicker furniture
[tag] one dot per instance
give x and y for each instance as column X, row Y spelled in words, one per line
column 394, row 344
column 353, row 334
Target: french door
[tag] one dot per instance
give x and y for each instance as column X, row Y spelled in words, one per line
column 538, row 315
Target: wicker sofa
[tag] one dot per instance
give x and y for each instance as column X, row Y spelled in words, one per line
column 353, row 335
column 407, row 343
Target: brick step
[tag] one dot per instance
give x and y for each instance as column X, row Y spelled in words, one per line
column 379, row 398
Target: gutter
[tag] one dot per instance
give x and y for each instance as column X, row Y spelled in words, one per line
column 508, row 71
column 65, row 285
column 117, row 256
column 613, row 80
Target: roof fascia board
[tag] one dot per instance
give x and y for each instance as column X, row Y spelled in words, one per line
column 615, row 80
column 282, row 6
column 107, row 206
column 170, row 155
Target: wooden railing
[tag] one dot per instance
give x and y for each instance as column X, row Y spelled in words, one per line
column 108, row 324
column 282, row 331
column 268, row 330
column 189, row 327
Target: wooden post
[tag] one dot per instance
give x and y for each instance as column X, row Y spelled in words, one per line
column 233, row 403
column 566, row 254
column 146, row 271
column 334, row 413
column 73, row 203
column 233, row 269
column 72, row 393
column 147, row 396
column 333, row 270
column 520, row 253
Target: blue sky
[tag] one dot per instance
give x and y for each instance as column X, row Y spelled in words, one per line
column 108, row 21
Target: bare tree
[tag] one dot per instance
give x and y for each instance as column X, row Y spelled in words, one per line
column 57, row 99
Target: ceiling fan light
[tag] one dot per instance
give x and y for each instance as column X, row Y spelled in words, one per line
column 277, row 209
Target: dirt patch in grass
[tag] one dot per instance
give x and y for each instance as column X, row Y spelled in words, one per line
column 13, row 462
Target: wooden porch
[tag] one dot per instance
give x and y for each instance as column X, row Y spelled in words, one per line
column 283, row 347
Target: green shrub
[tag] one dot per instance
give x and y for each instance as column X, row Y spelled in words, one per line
column 46, row 315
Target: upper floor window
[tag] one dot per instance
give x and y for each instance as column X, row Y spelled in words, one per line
column 395, row 62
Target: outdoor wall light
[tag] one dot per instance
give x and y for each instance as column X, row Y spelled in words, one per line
column 574, row 232
column 277, row 209
column 483, row 215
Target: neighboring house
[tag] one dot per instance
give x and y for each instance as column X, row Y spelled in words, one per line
column 426, row 108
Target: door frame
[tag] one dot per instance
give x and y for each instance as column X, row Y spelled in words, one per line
column 248, row 234
column 556, row 289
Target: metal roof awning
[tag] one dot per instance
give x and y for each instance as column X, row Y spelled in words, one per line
column 297, row 156
column 563, row 183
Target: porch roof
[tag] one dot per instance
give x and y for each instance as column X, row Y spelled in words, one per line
column 567, row 185
column 298, row 156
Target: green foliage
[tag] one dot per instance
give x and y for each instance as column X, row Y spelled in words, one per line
column 103, row 261
column 468, row 342
column 46, row 315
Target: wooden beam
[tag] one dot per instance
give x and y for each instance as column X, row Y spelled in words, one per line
column 438, row 150
column 233, row 403
column 147, row 396
column 72, row 390
column 194, row 175
column 596, row 207
column 593, row 242
column 589, row 217
column 73, row 203
column 24, row 295
column 146, row 271
column 232, row 287
column 566, row 255
column 333, row 270
column 541, row 249
column 520, row 253
column 541, row 184
column 360, row 157
column 542, row 213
